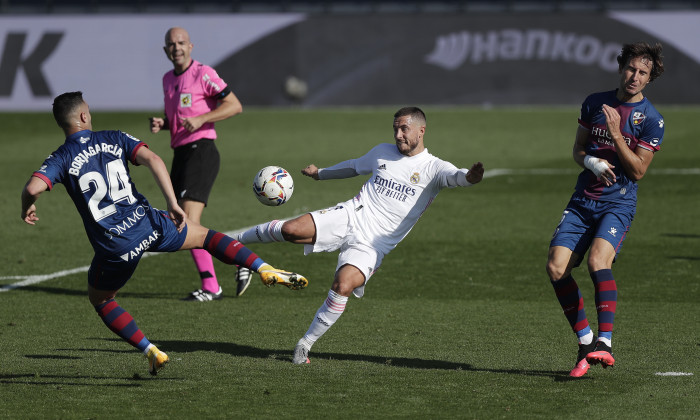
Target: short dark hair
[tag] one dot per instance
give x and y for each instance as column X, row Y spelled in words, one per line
column 64, row 105
column 642, row 49
column 413, row 111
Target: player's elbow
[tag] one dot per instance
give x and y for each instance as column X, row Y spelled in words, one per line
column 237, row 109
column 637, row 175
column 231, row 107
column 147, row 158
column 34, row 188
column 154, row 160
column 30, row 190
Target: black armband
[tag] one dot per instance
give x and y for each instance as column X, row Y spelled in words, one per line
column 224, row 93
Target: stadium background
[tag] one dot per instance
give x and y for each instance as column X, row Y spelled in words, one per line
column 328, row 53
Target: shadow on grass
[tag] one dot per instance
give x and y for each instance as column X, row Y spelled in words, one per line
column 51, row 356
column 76, row 380
column 239, row 350
column 682, row 235
column 83, row 292
column 67, row 380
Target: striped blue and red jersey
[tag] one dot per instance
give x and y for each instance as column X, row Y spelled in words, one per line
column 93, row 166
column 640, row 124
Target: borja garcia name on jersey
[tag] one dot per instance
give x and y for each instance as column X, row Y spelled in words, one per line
column 82, row 158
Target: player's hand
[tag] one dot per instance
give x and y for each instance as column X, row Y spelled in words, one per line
column 476, row 173
column 601, row 168
column 608, row 176
column 178, row 216
column 30, row 216
column 612, row 120
column 311, row 171
column 156, row 124
column 192, row 124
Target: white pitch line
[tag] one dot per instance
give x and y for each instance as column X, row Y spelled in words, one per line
column 38, row 278
column 673, row 374
column 550, row 171
column 29, row 280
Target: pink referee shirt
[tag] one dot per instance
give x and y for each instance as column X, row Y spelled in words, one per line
column 194, row 92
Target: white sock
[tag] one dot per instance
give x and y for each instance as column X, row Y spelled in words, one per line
column 325, row 317
column 306, row 343
column 586, row 339
column 605, row 341
column 264, row 233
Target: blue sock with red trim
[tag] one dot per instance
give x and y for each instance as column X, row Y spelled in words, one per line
column 121, row 323
column 571, row 301
column 230, row 251
column 605, row 302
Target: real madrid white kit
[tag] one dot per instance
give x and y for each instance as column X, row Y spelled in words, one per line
column 400, row 189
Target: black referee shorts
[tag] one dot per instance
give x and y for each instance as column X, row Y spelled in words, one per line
column 194, row 170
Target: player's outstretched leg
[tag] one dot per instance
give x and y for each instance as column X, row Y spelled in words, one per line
column 582, row 364
column 231, row 251
column 263, row 233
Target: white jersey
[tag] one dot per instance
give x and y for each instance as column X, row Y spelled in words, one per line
column 400, row 189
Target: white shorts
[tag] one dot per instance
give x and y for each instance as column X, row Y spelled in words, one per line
column 334, row 231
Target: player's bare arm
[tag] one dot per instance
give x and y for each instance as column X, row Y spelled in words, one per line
column 579, row 151
column 160, row 173
column 311, row 171
column 634, row 162
column 476, row 173
column 228, row 107
column 34, row 187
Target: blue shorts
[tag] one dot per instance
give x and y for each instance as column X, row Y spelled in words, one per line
column 585, row 219
column 111, row 271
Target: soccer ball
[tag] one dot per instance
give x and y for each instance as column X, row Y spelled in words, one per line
column 273, row 186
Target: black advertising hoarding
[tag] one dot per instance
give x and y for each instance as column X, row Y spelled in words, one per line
column 448, row 60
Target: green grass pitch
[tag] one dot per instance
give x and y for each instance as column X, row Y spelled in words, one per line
column 459, row 322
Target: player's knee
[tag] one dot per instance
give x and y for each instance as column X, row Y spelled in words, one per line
column 98, row 297
column 295, row 229
column 599, row 261
column 347, row 279
column 290, row 230
column 555, row 271
column 342, row 288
